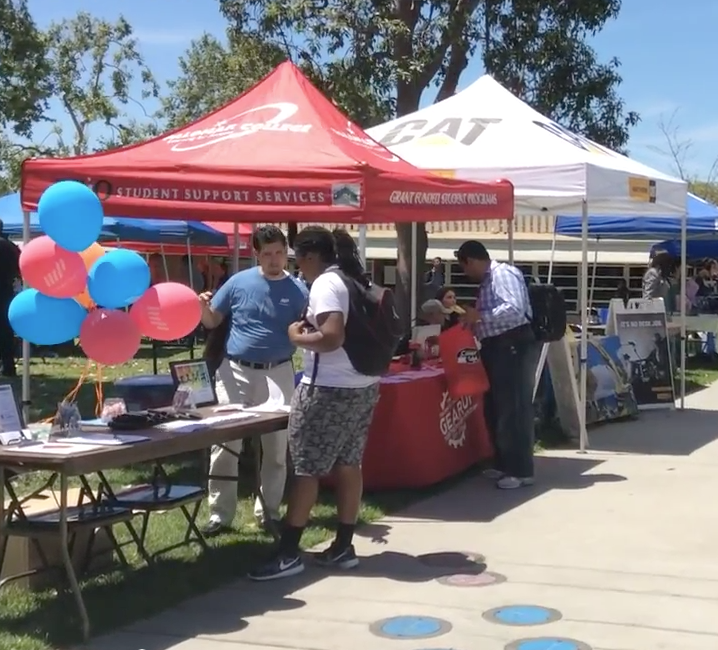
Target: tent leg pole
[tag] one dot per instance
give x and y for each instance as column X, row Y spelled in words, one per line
column 362, row 245
column 510, row 232
column 235, row 249
column 414, row 271
column 593, row 276
column 25, row 344
column 583, row 347
column 553, row 254
column 684, row 254
column 164, row 262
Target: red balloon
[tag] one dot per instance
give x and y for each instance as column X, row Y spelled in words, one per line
column 167, row 311
column 52, row 270
column 109, row 337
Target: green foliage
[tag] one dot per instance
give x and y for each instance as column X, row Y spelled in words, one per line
column 24, row 87
column 707, row 190
column 94, row 70
column 375, row 58
column 212, row 74
column 539, row 52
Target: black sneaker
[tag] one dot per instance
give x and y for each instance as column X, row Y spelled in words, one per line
column 340, row 558
column 280, row 567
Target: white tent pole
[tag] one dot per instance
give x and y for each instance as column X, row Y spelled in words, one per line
column 544, row 347
column 593, row 276
column 164, row 262
column 510, row 232
column 235, row 249
column 189, row 263
column 583, row 347
column 553, row 254
column 255, row 261
column 25, row 344
column 362, row 245
column 684, row 272
column 414, row 271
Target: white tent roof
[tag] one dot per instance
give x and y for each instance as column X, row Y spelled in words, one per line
column 484, row 133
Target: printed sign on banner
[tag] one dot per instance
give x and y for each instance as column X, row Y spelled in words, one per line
column 645, row 352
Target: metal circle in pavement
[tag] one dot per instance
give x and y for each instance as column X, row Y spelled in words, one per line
column 485, row 579
column 451, row 559
column 410, row 627
column 522, row 615
column 547, row 643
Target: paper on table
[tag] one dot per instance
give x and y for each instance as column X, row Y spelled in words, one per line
column 187, row 426
column 105, row 439
column 275, row 401
column 54, row 448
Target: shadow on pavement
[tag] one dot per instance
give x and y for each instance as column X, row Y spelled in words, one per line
column 661, row 432
column 477, row 500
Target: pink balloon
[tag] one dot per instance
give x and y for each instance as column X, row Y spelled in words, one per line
column 52, row 270
column 167, row 311
column 109, row 337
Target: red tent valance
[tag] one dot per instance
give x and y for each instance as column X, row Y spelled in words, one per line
column 279, row 152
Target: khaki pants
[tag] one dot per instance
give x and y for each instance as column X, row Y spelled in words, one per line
column 237, row 384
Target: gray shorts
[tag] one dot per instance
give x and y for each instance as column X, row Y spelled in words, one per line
column 329, row 426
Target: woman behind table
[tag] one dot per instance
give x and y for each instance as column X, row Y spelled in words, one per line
column 656, row 283
column 447, row 297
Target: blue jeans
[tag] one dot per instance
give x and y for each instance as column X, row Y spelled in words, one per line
column 510, row 363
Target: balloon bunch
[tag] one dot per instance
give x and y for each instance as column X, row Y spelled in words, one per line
column 79, row 289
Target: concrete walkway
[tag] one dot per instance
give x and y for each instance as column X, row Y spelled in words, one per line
column 622, row 542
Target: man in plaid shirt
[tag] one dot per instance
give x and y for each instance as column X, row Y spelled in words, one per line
column 509, row 352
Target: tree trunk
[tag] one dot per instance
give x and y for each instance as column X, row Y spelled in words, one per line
column 404, row 269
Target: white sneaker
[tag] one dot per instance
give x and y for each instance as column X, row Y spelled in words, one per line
column 512, row 482
column 492, row 474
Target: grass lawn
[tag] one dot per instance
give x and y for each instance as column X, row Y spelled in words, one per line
column 44, row 621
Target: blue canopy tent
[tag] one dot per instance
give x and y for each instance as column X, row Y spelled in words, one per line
column 159, row 231
column 702, row 218
column 696, row 249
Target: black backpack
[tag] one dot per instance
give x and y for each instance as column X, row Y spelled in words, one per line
column 549, row 312
column 373, row 330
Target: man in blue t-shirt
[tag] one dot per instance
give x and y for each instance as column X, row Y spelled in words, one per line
column 260, row 304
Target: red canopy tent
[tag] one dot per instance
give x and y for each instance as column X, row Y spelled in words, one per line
column 281, row 151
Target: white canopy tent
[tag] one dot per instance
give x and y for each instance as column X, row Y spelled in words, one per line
column 486, row 133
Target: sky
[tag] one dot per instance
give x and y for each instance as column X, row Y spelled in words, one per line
column 666, row 49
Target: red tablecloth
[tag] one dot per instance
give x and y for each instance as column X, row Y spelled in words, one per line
column 419, row 435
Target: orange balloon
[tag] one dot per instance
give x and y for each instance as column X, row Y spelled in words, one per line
column 89, row 257
column 92, row 254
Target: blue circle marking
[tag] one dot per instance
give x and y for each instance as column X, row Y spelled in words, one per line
column 547, row 644
column 522, row 615
column 411, row 626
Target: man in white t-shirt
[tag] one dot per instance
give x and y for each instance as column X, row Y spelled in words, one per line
column 332, row 407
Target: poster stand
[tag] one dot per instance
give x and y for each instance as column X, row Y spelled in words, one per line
column 642, row 327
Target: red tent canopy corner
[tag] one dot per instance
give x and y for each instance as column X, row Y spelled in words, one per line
column 279, row 152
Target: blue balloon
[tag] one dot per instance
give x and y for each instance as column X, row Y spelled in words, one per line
column 70, row 214
column 118, row 278
column 42, row 320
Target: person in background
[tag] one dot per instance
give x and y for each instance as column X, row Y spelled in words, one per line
column 447, row 296
column 157, row 269
column 221, row 274
column 623, row 292
column 192, row 275
column 655, row 280
column 260, row 303
column 432, row 312
column 9, row 274
column 435, row 277
column 332, row 407
column 509, row 352
column 707, row 272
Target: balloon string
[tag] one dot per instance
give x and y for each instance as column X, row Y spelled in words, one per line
column 72, row 395
column 98, row 391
